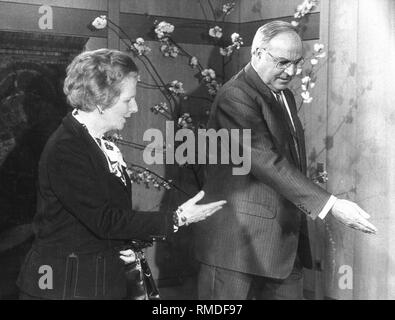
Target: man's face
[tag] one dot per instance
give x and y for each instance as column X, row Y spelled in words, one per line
column 281, row 49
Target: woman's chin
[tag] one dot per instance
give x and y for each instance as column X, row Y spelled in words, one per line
column 121, row 124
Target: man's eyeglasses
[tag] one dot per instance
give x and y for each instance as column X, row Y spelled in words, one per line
column 285, row 64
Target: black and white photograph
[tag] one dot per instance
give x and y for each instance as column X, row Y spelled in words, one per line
column 210, row 151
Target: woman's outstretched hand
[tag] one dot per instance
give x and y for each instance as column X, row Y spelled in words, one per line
column 190, row 212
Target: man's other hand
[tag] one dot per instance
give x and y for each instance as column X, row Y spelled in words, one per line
column 350, row 214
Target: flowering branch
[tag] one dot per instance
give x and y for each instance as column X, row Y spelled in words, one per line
column 139, row 174
column 308, row 77
column 301, row 10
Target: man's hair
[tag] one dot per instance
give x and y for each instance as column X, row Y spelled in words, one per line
column 95, row 78
column 268, row 31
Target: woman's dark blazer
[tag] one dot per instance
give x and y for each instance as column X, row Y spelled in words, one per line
column 84, row 215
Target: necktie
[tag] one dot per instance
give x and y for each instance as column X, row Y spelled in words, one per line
column 281, row 102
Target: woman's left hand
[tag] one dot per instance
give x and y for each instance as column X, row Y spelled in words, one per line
column 193, row 212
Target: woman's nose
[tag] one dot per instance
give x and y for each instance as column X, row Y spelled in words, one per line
column 133, row 107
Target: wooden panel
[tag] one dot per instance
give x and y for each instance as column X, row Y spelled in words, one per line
column 69, row 21
column 342, row 89
column 195, row 31
column 268, row 9
column 189, row 9
column 113, row 15
column 309, row 32
column 375, row 128
column 86, row 4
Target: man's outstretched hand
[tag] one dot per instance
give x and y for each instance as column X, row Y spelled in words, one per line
column 350, row 214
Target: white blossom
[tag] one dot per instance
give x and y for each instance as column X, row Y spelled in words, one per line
column 226, row 52
column 100, row 22
column 304, row 8
column 318, row 47
column 215, row 32
column 294, row 23
column 163, row 29
column 208, row 75
column 176, row 87
column 169, row 50
column 306, row 97
column 185, row 121
column 193, row 62
column 236, row 38
column 213, row 87
column 228, row 7
column 313, row 61
column 306, row 79
column 140, row 47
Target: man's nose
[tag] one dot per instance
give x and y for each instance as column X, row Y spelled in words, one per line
column 291, row 70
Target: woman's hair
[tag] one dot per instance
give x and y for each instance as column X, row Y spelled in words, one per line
column 94, row 78
column 268, row 31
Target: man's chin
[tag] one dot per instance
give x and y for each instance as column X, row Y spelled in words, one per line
column 282, row 84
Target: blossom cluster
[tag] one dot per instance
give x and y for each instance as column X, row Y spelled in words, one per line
column 185, row 121
column 304, row 8
column 237, row 42
column 215, row 32
column 176, row 87
column 163, row 30
column 160, row 108
column 99, row 22
column 139, row 175
column 209, row 78
column 140, row 48
column 307, row 82
column 193, row 62
column 208, row 75
column 169, row 50
column 228, row 7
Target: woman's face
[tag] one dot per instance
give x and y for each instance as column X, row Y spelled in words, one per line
column 116, row 115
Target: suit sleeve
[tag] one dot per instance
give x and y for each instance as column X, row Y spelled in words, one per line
column 74, row 182
column 237, row 110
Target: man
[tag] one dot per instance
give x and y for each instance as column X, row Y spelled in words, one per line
column 257, row 246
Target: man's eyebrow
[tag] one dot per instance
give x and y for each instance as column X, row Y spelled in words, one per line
column 285, row 59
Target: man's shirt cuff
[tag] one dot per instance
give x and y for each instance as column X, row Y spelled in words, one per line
column 327, row 207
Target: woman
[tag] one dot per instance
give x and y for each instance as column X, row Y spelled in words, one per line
column 84, row 213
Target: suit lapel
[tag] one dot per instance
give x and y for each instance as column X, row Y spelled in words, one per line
column 253, row 79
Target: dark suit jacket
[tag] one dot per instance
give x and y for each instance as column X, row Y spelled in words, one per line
column 84, row 214
column 259, row 230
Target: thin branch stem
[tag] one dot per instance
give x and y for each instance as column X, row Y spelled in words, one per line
column 116, row 32
column 122, row 31
column 160, row 87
